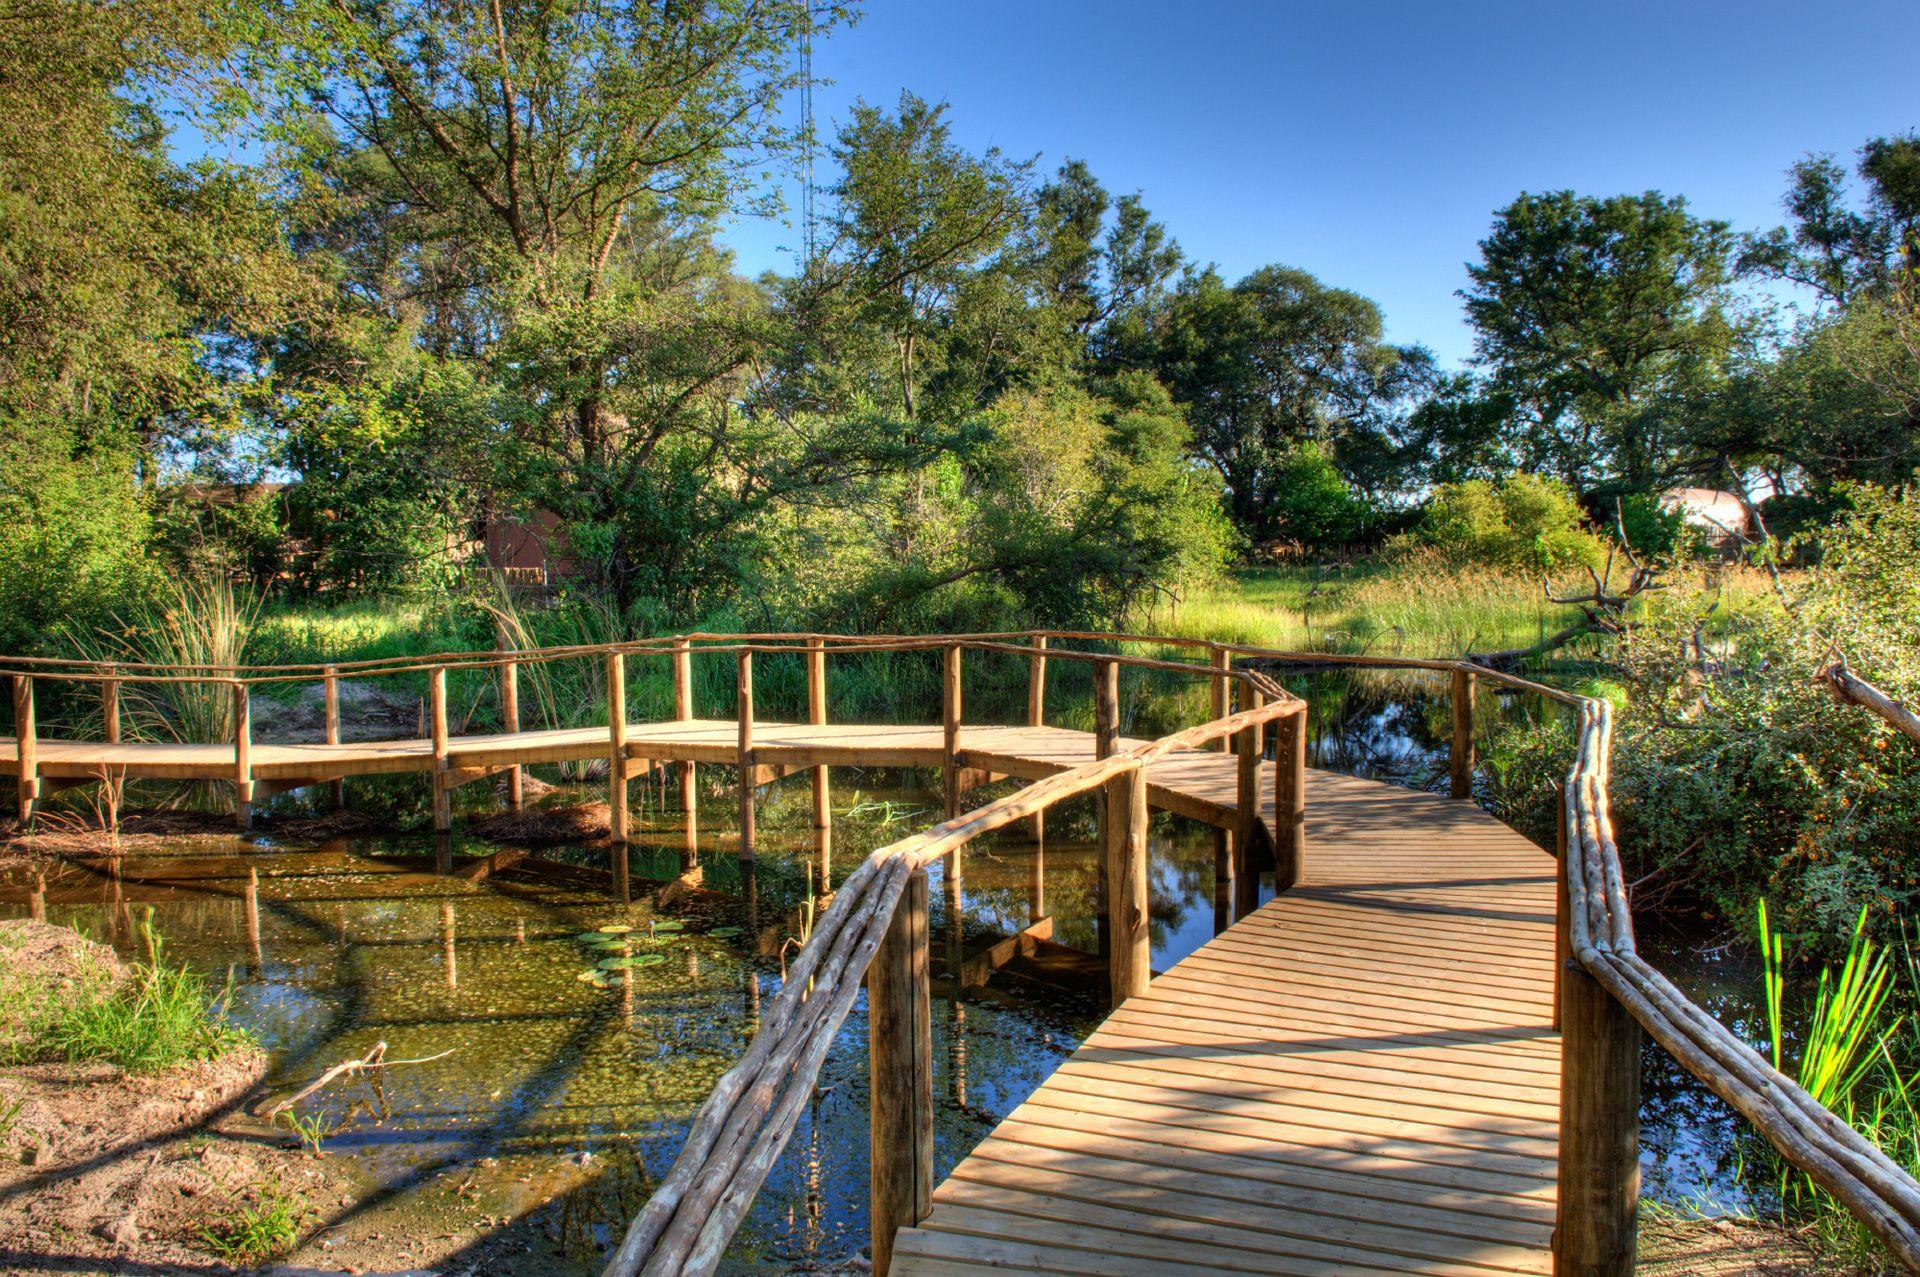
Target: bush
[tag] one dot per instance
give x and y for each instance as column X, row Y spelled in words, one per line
column 1737, row 776
column 1314, row 505
column 73, row 538
column 1521, row 522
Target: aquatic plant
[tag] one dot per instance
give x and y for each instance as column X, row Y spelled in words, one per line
column 311, row 1130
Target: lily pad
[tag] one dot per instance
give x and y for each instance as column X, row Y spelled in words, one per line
column 724, row 933
column 617, row 929
column 668, row 926
column 649, row 959
column 588, row 977
column 618, row 964
column 615, row 946
column 588, row 937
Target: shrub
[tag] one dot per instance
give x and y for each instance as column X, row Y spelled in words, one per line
column 1314, row 505
column 1520, row 522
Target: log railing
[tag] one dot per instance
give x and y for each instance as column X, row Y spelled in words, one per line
column 1607, row 993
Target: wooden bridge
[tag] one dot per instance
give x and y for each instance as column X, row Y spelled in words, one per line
column 1365, row 1075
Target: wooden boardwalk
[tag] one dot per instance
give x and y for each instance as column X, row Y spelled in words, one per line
column 1359, row 1077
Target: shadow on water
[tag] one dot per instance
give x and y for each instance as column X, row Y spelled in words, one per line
column 566, row 1095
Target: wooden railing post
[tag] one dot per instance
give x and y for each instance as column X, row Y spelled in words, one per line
column 1289, row 799
column 744, row 711
column 950, row 710
column 817, row 716
column 1562, row 935
column 1246, row 745
column 27, row 746
column 900, row 1052
column 1460, row 756
column 1599, row 1200
column 330, row 697
column 437, row 726
column 1037, row 683
column 682, row 712
column 1037, row 716
column 242, row 756
column 110, row 706
column 1131, row 965
column 1221, row 690
column 617, row 745
column 510, row 716
column 1109, row 810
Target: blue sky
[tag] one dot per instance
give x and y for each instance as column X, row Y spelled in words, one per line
column 1370, row 143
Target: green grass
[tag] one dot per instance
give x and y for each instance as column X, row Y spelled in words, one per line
column 160, row 1015
column 268, row 1228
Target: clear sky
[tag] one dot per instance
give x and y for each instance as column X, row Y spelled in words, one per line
column 1370, row 143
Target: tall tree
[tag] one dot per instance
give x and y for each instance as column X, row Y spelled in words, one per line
column 1606, row 320
column 1272, row 365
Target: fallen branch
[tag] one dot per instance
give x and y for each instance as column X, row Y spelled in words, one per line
column 373, row 1059
column 1849, row 690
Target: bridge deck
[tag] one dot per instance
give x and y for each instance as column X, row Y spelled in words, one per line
column 1359, row 1077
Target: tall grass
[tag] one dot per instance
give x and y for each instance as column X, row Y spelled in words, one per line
column 207, row 621
column 1855, row 1056
column 161, row 1014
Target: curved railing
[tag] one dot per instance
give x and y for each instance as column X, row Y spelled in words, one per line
column 875, row 929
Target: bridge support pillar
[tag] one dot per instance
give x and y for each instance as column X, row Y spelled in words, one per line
column 1594, row 1233
column 900, row 1047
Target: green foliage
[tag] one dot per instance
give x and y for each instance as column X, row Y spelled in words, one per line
column 1736, row 775
column 1521, row 522
column 1314, row 505
column 259, row 1231
column 160, row 1015
column 73, row 532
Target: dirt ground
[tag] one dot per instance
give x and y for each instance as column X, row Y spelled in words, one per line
column 1672, row 1247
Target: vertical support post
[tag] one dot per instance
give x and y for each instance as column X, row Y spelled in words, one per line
column 330, row 695
column 900, row 1054
column 1221, row 659
column 110, row 706
column 1594, row 1232
column 242, row 756
column 1131, row 967
column 1108, row 809
column 817, row 716
column 510, row 716
column 1289, row 799
column 617, row 748
column 682, row 711
column 1037, row 716
column 745, row 713
column 950, row 710
column 437, row 725
column 1460, row 757
column 1246, row 745
column 1562, row 933
column 27, row 746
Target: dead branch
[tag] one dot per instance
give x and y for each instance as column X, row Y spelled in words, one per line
column 376, row 1058
column 1850, row 690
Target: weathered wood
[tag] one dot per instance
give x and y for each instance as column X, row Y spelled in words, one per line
column 26, row 737
column 683, row 712
column 510, row 719
column 1037, row 683
column 950, row 712
column 1131, row 953
column 1108, row 806
column 242, row 757
column 1246, row 744
column 1562, row 939
column 744, row 753
column 1594, row 1231
column 1849, row 689
column 1289, row 799
column 617, row 820
column 817, row 716
column 437, row 727
column 1219, row 689
column 110, row 707
column 1460, row 756
column 330, row 699
column 900, row 1054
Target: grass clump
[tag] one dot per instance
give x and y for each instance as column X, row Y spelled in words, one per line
column 158, row 1014
column 263, row 1230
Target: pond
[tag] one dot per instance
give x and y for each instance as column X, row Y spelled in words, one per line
column 539, row 1076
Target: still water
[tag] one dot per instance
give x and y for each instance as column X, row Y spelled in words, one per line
column 538, row 1076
